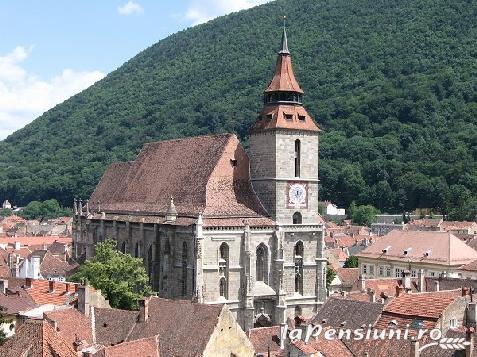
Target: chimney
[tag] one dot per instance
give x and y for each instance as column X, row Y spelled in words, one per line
column 407, row 280
column 17, row 245
column 371, row 295
column 3, row 286
column 143, row 309
column 414, row 349
column 469, row 349
column 399, row 290
column 28, row 282
column 422, row 281
column 51, row 286
column 362, row 282
column 83, row 299
column 437, row 285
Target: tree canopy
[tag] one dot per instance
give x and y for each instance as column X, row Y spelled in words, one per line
column 363, row 215
column 392, row 85
column 351, row 262
column 122, row 278
column 48, row 209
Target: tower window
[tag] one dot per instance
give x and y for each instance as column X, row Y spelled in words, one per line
column 137, row 251
column 298, row 259
column 262, row 263
column 184, row 269
column 297, row 157
column 233, row 162
column 301, row 117
column 297, row 218
column 123, row 248
column 288, row 116
column 224, row 269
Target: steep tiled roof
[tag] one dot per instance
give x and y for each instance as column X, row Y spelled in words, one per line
column 11, row 304
column 331, row 348
column 443, row 247
column 63, row 294
column 348, row 276
column 113, row 325
column 428, row 305
column 173, row 321
column 145, row 347
column 426, row 223
column 284, row 77
column 71, row 325
column 198, row 172
column 36, row 339
column 263, row 338
column 53, row 266
column 354, row 313
column 275, row 116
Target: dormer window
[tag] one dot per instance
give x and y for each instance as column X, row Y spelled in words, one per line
column 301, row 118
column 407, row 251
column 269, row 117
column 289, row 117
column 233, row 162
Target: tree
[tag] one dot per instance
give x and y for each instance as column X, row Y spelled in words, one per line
column 48, row 209
column 122, row 278
column 330, row 275
column 351, row 262
column 363, row 215
column 7, row 212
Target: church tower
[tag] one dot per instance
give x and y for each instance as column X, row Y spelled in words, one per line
column 284, row 149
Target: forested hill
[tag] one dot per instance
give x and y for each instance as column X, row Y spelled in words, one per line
column 393, row 85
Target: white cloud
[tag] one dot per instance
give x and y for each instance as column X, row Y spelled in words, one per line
column 200, row 11
column 24, row 96
column 130, row 8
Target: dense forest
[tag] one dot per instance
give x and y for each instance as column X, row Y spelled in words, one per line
column 392, row 84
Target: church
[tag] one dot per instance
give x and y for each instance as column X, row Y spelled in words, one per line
column 218, row 225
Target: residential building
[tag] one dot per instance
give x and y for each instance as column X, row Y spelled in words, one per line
column 432, row 253
column 6, row 205
column 215, row 225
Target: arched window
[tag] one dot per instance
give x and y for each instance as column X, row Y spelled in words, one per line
column 224, row 269
column 123, row 247
column 297, row 157
column 149, row 263
column 223, row 287
column 298, row 259
column 184, row 268
column 137, row 251
column 297, row 219
column 262, row 263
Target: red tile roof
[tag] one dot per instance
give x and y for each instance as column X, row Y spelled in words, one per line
column 145, row 347
column 36, row 339
column 348, row 276
column 71, row 325
column 284, row 77
column 443, row 247
column 263, row 338
column 31, row 241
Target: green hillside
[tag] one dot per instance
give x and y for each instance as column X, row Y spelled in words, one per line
column 393, row 85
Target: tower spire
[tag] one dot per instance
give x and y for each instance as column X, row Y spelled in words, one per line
column 284, row 49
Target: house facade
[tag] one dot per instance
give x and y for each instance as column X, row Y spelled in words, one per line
column 217, row 225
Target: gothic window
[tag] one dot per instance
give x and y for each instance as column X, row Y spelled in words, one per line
column 262, row 263
column 223, row 287
column 123, row 247
column 297, row 157
column 184, row 268
column 149, row 263
column 224, row 269
column 137, row 250
column 297, row 219
column 298, row 259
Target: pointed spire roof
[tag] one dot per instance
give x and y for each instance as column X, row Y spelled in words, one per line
column 284, row 79
column 284, row 49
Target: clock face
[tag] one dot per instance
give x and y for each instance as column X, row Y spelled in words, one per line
column 297, row 195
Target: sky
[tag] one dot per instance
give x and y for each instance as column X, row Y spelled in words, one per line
column 53, row 49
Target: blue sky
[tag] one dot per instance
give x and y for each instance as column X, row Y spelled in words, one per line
column 52, row 49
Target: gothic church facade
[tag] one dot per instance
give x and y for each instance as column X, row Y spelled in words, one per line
column 217, row 225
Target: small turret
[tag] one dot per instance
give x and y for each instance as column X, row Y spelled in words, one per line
column 171, row 214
